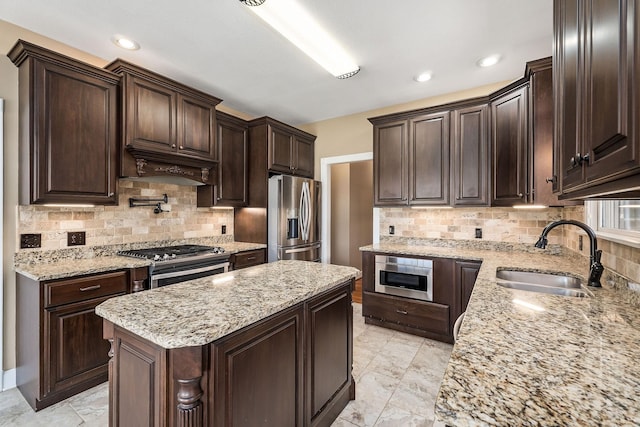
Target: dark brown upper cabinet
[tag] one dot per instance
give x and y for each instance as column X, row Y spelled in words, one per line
column 68, row 129
column 390, row 162
column 596, row 97
column 509, row 146
column 470, row 156
column 168, row 128
column 232, row 184
column 429, row 159
column 275, row 148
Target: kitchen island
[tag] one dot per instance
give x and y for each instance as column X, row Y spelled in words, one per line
column 268, row 345
column 526, row 358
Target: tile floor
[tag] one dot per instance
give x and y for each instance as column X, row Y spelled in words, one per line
column 397, row 379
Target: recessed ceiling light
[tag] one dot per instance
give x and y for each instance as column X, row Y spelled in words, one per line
column 489, row 61
column 125, row 43
column 426, row 76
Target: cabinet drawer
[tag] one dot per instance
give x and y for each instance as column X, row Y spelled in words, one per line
column 248, row 258
column 84, row 288
column 427, row 316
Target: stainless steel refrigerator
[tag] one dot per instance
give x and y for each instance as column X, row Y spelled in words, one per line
column 293, row 218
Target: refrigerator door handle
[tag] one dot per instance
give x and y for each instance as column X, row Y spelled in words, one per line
column 305, row 210
column 305, row 249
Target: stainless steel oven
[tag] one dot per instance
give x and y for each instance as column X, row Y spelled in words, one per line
column 175, row 264
column 405, row 277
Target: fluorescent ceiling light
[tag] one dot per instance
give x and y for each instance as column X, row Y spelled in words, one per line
column 297, row 26
column 489, row 61
column 125, row 43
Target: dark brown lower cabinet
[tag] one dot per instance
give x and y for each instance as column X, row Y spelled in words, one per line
column 453, row 281
column 60, row 350
column 248, row 258
column 290, row 369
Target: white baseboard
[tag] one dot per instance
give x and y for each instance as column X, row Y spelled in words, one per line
column 8, row 379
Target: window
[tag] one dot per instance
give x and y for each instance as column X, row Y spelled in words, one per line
column 616, row 220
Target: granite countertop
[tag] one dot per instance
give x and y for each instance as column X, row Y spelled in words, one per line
column 200, row 311
column 575, row 363
column 63, row 267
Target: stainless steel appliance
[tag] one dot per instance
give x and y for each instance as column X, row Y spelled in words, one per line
column 293, row 218
column 175, row 264
column 405, row 277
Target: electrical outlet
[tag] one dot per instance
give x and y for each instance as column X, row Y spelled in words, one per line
column 579, row 243
column 28, row 241
column 76, row 238
column 478, row 233
column 224, row 229
column 392, row 229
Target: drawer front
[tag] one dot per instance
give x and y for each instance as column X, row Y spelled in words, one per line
column 84, row 288
column 422, row 315
column 248, row 259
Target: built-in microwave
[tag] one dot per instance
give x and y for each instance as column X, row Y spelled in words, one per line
column 405, row 277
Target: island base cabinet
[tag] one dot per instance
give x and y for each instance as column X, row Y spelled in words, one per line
column 290, row 369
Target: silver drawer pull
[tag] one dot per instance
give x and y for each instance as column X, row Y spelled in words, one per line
column 251, row 258
column 402, row 312
column 90, row 288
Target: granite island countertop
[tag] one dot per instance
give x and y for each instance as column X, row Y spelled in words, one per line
column 64, row 267
column 577, row 362
column 200, row 311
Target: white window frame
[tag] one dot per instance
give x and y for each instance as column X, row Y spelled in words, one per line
column 625, row 237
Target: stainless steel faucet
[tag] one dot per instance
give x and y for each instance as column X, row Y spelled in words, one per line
column 596, row 269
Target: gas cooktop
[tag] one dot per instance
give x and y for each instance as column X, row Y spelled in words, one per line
column 167, row 253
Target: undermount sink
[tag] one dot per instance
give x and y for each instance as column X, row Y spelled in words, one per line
column 541, row 282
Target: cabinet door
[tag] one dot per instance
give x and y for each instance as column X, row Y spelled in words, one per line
column 509, row 136
column 608, row 79
column 466, row 274
column 390, row 162
column 429, row 160
column 151, row 117
column 280, row 150
column 567, row 135
column 258, row 374
column 74, row 344
column 74, row 138
column 197, row 126
column 329, row 330
column 232, row 169
column 470, row 157
column 303, row 156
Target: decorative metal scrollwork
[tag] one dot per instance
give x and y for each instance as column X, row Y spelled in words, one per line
column 175, row 170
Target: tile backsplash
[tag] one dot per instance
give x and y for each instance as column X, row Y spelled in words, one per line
column 109, row 225
column 507, row 225
column 497, row 224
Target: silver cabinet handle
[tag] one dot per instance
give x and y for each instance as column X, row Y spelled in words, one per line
column 402, row 312
column 90, row 288
column 456, row 327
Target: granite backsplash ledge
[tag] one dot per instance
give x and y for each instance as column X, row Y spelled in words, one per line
column 30, row 256
column 474, row 244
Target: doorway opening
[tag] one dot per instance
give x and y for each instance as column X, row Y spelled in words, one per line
column 347, row 208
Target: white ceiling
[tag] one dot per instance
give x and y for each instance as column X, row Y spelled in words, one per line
column 222, row 48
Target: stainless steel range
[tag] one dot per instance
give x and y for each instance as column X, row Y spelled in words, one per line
column 174, row 264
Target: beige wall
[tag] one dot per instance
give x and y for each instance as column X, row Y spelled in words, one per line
column 360, row 209
column 351, row 211
column 340, row 188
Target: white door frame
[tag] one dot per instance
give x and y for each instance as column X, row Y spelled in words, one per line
column 325, row 178
column 2, row 373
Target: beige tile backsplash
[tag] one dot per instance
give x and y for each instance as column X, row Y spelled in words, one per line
column 107, row 225
column 507, row 225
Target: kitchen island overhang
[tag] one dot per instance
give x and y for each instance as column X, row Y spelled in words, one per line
column 271, row 344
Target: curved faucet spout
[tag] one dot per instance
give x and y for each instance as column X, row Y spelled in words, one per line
column 596, row 269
